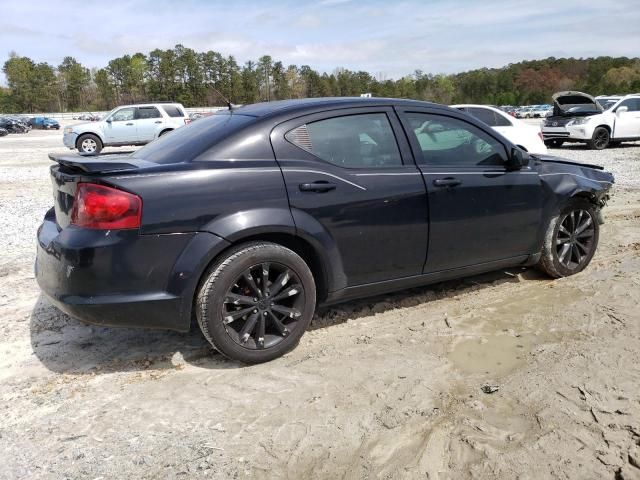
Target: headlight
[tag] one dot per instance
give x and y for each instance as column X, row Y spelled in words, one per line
column 67, row 130
column 579, row 121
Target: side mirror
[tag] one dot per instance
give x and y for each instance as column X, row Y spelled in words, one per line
column 620, row 110
column 518, row 159
column 109, row 120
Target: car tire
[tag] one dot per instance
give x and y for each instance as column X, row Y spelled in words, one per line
column 164, row 132
column 89, row 144
column 600, row 139
column 571, row 240
column 250, row 317
column 554, row 143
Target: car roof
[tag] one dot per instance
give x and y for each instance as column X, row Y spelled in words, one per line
column 265, row 109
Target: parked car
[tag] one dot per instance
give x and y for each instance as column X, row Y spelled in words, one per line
column 44, row 123
column 89, row 117
column 579, row 117
column 540, row 111
column 14, row 125
column 527, row 137
column 251, row 217
column 524, row 112
column 126, row 125
column 196, row 115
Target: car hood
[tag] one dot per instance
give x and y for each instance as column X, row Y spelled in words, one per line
column 84, row 126
column 569, row 177
column 582, row 102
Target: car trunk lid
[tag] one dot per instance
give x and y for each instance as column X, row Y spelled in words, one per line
column 70, row 170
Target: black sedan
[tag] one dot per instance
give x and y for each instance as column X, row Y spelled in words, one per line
column 252, row 217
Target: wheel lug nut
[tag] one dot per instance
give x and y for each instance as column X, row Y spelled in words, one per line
column 255, row 311
column 265, row 314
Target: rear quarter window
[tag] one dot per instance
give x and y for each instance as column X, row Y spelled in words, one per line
column 173, row 111
column 186, row 143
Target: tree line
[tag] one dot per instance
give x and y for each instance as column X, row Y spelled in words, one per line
column 209, row 78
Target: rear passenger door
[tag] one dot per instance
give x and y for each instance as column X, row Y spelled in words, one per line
column 350, row 174
column 479, row 211
column 148, row 123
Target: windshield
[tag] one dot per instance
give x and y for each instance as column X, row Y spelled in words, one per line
column 189, row 141
column 606, row 103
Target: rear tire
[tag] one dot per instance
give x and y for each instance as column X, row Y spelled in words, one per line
column 89, row 144
column 600, row 139
column 571, row 240
column 256, row 302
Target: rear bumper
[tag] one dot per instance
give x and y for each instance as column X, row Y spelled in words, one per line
column 123, row 278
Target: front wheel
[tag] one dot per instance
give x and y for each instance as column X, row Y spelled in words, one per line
column 89, row 144
column 255, row 303
column 600, row 139
column 571, row 240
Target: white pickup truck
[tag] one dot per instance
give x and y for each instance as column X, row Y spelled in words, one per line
column 578, row 117
column 126, row 125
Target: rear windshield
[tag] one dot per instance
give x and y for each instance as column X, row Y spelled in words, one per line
column 186, row 143
column 173, row 111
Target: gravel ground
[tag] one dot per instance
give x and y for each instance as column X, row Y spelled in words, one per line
column 386, row 388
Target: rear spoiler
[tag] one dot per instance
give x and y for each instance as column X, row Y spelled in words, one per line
column 109, row 162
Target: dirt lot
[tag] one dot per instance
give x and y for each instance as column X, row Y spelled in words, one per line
column 384, row 388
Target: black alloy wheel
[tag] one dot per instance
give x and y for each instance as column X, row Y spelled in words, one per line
column 571, row 239
column 575, row 239
column 600, row 139
column 256, row 301
column 263, row 306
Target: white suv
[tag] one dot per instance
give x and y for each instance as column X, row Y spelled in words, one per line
column 126, row 125
column 578, row 117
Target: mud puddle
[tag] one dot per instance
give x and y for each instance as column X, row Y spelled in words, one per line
column 496, row 355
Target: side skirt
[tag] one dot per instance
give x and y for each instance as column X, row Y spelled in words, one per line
column 371, row 289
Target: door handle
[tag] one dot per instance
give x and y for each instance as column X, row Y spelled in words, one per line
column 158, row 121
column 129, row 123
column 319, row 187
column 446, row 182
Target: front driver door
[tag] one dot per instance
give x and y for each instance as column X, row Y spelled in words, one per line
column 479, row 211
column 351, row 173
column 121, row 126
column 628, row 123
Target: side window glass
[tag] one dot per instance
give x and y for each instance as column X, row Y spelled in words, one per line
column 633, row 104
column 123, row 115
column 148, row 112
column 453, row 142
column 353, row 141
column 173, row 111
column 484, row 115
column 502, row 121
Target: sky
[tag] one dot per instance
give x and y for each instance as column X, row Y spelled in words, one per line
column 389, row 39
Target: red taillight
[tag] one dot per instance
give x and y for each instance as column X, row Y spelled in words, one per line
column 540, row 135
column 187, row 121
column 104, row 208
